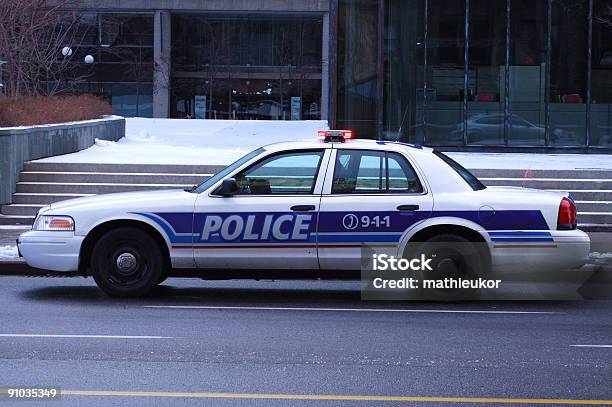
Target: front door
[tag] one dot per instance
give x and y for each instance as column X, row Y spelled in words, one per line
column 271, row 222
column 372, row 197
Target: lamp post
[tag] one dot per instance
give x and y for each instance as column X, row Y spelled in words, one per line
column 89, row 60
column 1, row 84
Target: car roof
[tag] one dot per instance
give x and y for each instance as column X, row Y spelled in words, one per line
column 364, row 144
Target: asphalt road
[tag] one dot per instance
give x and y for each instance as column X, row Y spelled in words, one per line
column 301, row 341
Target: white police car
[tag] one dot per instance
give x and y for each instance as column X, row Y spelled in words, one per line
column 302, row 209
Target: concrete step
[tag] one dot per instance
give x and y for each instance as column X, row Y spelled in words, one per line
column 16, row 220
column 597, row 218
column 591, row 195
column 88, row 188
column 37, row 166
column 566, row 174
column 591, row 227
column 43, row 198
column 113, row 177
column 21, row 209
column 594, row 206
column 551, row 183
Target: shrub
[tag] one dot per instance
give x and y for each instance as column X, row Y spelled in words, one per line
column 29, row 111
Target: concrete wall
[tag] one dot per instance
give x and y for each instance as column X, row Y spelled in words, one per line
column 211, row 5
column 18, row 145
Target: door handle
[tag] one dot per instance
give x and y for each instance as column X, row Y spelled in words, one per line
column 302, row 208
column 408, row 208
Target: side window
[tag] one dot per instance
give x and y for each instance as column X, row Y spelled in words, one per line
column 282, row 174
column 362, row 172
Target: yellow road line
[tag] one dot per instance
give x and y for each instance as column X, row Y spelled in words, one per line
column 482, row 400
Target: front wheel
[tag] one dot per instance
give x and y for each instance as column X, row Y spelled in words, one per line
column 126, row 262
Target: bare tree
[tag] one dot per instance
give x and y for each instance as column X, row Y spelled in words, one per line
column 32, row 36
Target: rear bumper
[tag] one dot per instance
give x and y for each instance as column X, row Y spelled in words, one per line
column 57, row 251
column 567, row 250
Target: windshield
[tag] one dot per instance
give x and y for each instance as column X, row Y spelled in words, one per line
column 227, row 170
column 472, row 181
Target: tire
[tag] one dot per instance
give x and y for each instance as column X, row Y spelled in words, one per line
column 453, row 256
column 126, row 262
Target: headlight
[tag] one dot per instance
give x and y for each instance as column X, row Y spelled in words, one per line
column 54, row 223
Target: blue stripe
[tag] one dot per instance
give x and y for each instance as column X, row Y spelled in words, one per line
column 525, row 239
column 519, row 233
column 358, row 238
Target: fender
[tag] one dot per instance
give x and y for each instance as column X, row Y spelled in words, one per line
column 128, row 216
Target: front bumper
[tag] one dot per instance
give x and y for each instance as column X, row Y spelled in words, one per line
column 57, row 251
column 568, row 250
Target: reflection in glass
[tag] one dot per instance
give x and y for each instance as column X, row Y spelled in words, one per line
column 357, row 66
column 568, row 73
column 601, row 76
column 444, row 70
column 486, row 61
column 527, row 76
column 404, row 58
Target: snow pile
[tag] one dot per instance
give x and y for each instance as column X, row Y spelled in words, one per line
column 184, row 141
column 220, row 142
column 8, row 252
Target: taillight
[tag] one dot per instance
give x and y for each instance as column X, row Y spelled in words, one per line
column 567, row 215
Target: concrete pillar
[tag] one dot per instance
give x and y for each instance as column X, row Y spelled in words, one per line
column 161, row 64
column 324, row 106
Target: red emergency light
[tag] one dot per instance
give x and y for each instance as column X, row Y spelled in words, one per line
column 335, row 135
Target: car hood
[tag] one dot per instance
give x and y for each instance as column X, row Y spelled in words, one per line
column 125, row 200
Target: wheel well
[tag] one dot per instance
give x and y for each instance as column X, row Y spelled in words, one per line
column 97, row 232
column 469, row 234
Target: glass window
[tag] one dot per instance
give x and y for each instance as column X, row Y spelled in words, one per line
column 568, row 72
column 255, row 67
column 357, row 66
column 527, row 72
column 403, row 81
column 445, row 72
column 228, row 170
column 486, row 64
column 601, row 76
column 362, row 172
column 282, row 174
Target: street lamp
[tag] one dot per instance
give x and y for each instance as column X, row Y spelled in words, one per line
column 1, row 84
column 89, row 60
column 67, row 52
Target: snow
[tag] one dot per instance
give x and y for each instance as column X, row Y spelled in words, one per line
column 534, row 161
column 220, row 142
column 8, row 252
column 185, row 141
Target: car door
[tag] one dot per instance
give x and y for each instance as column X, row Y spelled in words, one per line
column 370, row 197
column 271, row 222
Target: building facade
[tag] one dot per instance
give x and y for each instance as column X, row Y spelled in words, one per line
column 454, row 73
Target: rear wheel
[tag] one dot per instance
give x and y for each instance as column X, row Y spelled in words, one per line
column 453, row 257
column 126, row 262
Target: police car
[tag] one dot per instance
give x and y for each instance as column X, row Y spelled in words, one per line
column 303, row 209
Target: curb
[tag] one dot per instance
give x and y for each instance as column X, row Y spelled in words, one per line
column 21, row 269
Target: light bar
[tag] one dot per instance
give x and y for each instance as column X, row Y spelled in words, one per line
column 335, row 135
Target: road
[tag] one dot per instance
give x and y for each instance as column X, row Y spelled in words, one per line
column 310, row 343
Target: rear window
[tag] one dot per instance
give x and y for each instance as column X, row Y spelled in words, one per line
column 472, row 181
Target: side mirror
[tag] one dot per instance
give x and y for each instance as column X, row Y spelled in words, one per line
column 228, row 187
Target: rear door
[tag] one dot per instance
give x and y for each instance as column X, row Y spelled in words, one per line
column 370, row 197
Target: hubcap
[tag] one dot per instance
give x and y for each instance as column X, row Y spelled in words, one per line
column 126, row 263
